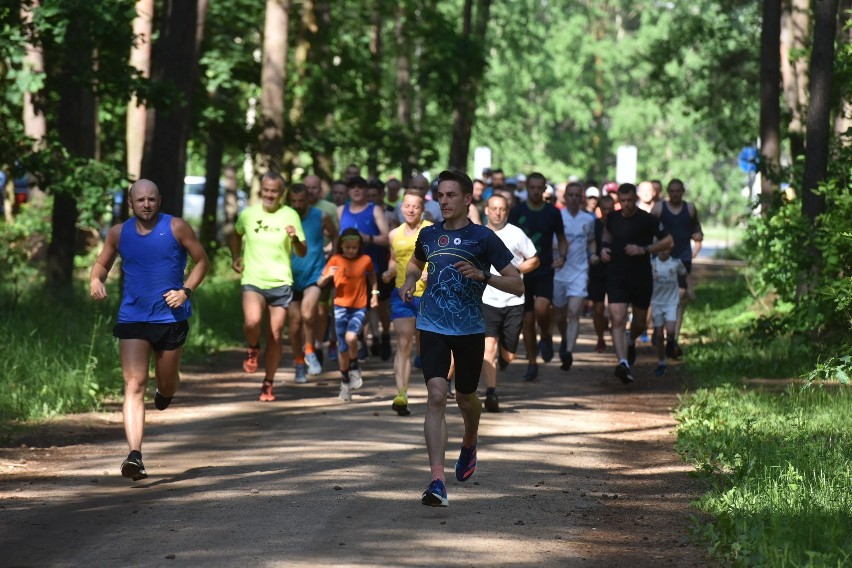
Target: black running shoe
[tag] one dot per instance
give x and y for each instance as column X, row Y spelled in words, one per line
column 375, row 348
column 502, row 363
column 545, row 348
column 492, row 403
column 567, row 360
column 631, row 353
column 532, row 373
column 624, row 373
column 133, row 468
column 161, row 402
column 670, row 347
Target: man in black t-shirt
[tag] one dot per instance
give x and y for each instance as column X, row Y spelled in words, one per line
column 541, row 222
column 628, row 242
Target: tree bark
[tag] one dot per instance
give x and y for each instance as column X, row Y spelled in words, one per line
column 843, row 121
column 374, row 96
column 819, row 129
column 795, row 37
column 35, row 124
column 273, row 80
column 140, row 58
column 212, row 173
column 76, row 126
column 770, row 104
column 176, row 62
column 405, row 133
column 471, row 70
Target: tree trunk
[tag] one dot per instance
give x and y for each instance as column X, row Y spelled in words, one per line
column 770, row 104
column 212, row 173
column 843, row 120
column 76, row 126
column 819, row 129
column 140, row 58
column 403, row 95
column 795, row 37
column 374, row 96
column 273, row 80
column 35, row 124
column 176, row 62
column 471, row 70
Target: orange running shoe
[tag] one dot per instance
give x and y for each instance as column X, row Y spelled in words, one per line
column 250, row 362
column 266, row 391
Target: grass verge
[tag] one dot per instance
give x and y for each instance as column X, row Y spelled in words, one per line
column 777, row 458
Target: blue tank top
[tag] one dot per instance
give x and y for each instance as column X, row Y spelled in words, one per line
column 307, row 269
column 680, row 228
column 365, row 222
column 152, row 264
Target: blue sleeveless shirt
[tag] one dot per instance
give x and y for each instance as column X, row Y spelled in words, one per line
column 366, row 223
column 680, row 227
column 152, row 264
column 307, row 269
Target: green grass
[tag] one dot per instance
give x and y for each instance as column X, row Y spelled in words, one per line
column 59, row 354
column 777, row 461
column 732, row 235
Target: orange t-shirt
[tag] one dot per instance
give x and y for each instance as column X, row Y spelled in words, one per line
column 350, row 282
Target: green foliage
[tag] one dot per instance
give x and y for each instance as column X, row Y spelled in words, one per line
column 20, row 243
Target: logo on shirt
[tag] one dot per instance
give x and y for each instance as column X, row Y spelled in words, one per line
column 443, row 240
column 457, row 241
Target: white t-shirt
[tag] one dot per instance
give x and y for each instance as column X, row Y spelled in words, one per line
column 579, row 231
column 522, row 248
column 665, row 280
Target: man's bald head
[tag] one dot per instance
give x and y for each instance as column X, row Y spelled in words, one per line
column 144, row 184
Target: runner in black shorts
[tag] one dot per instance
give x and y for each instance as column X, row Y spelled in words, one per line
column 628, row 242
column 460, row 255
column 541, row 221
column 597, row 276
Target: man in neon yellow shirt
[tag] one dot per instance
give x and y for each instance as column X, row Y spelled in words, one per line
column 264, row 237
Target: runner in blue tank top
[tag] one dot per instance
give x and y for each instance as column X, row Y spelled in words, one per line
column 460, row 255
column 154, row 306
column 316, row 225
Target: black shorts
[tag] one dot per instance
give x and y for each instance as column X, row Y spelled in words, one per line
column 634, row 289
column 299, row 295
column 161, row 336
column 466, row 350
column 504, row 324
column 537, row 285
column 597, row 287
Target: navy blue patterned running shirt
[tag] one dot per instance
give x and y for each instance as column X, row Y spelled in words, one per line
column 452, row 303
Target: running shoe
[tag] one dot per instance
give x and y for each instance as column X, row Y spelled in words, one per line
column 435, row 495
column 545, row 347
column 386, row 351
column 345, row 392
column 355, row 380
column 567, row 360
column 502, row 363
column 532, row 372
column 400, row 404
column 624, row 373
column 418, row 362
column 314, row 365
column 631, row 353
column 466, row 464
column 492, row 403
column 301, row 373
column 133, row 468
column 266, row 391
column 601, row 346
column 660, row 370
column 161, row 402
column 250, row 362
column 375, row 348
column 644, row 338
column 332, row 351
column 363, row 353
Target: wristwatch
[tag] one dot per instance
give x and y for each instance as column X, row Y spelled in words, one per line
column 486, row 276
column 187, row 291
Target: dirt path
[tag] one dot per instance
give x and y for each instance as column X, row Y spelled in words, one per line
column 578, row 470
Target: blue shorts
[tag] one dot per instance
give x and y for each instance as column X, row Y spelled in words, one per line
column 348, row 319
column 401, row 309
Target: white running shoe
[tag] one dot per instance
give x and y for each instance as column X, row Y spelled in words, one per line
column 355, row 380
column 345, row 394
column 314, row 366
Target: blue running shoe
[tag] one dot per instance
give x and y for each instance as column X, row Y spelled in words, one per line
column 314, row 365
column 466, row 464
column 332, row 351
column 545, row 348
column 435, row 495
column 301, row 374
column 660, row 370
column 418, row 363
column 644, row 338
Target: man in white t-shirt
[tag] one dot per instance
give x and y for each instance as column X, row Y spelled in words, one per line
column 503, row 312
column 570, row 281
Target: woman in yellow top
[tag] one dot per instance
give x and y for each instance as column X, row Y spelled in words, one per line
column 404, row 314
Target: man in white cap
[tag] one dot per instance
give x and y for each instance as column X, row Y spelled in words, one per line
column 593, row 194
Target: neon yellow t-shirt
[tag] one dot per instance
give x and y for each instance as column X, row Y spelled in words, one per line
column 267, row 246
column 403, row 250
column 330, row 208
